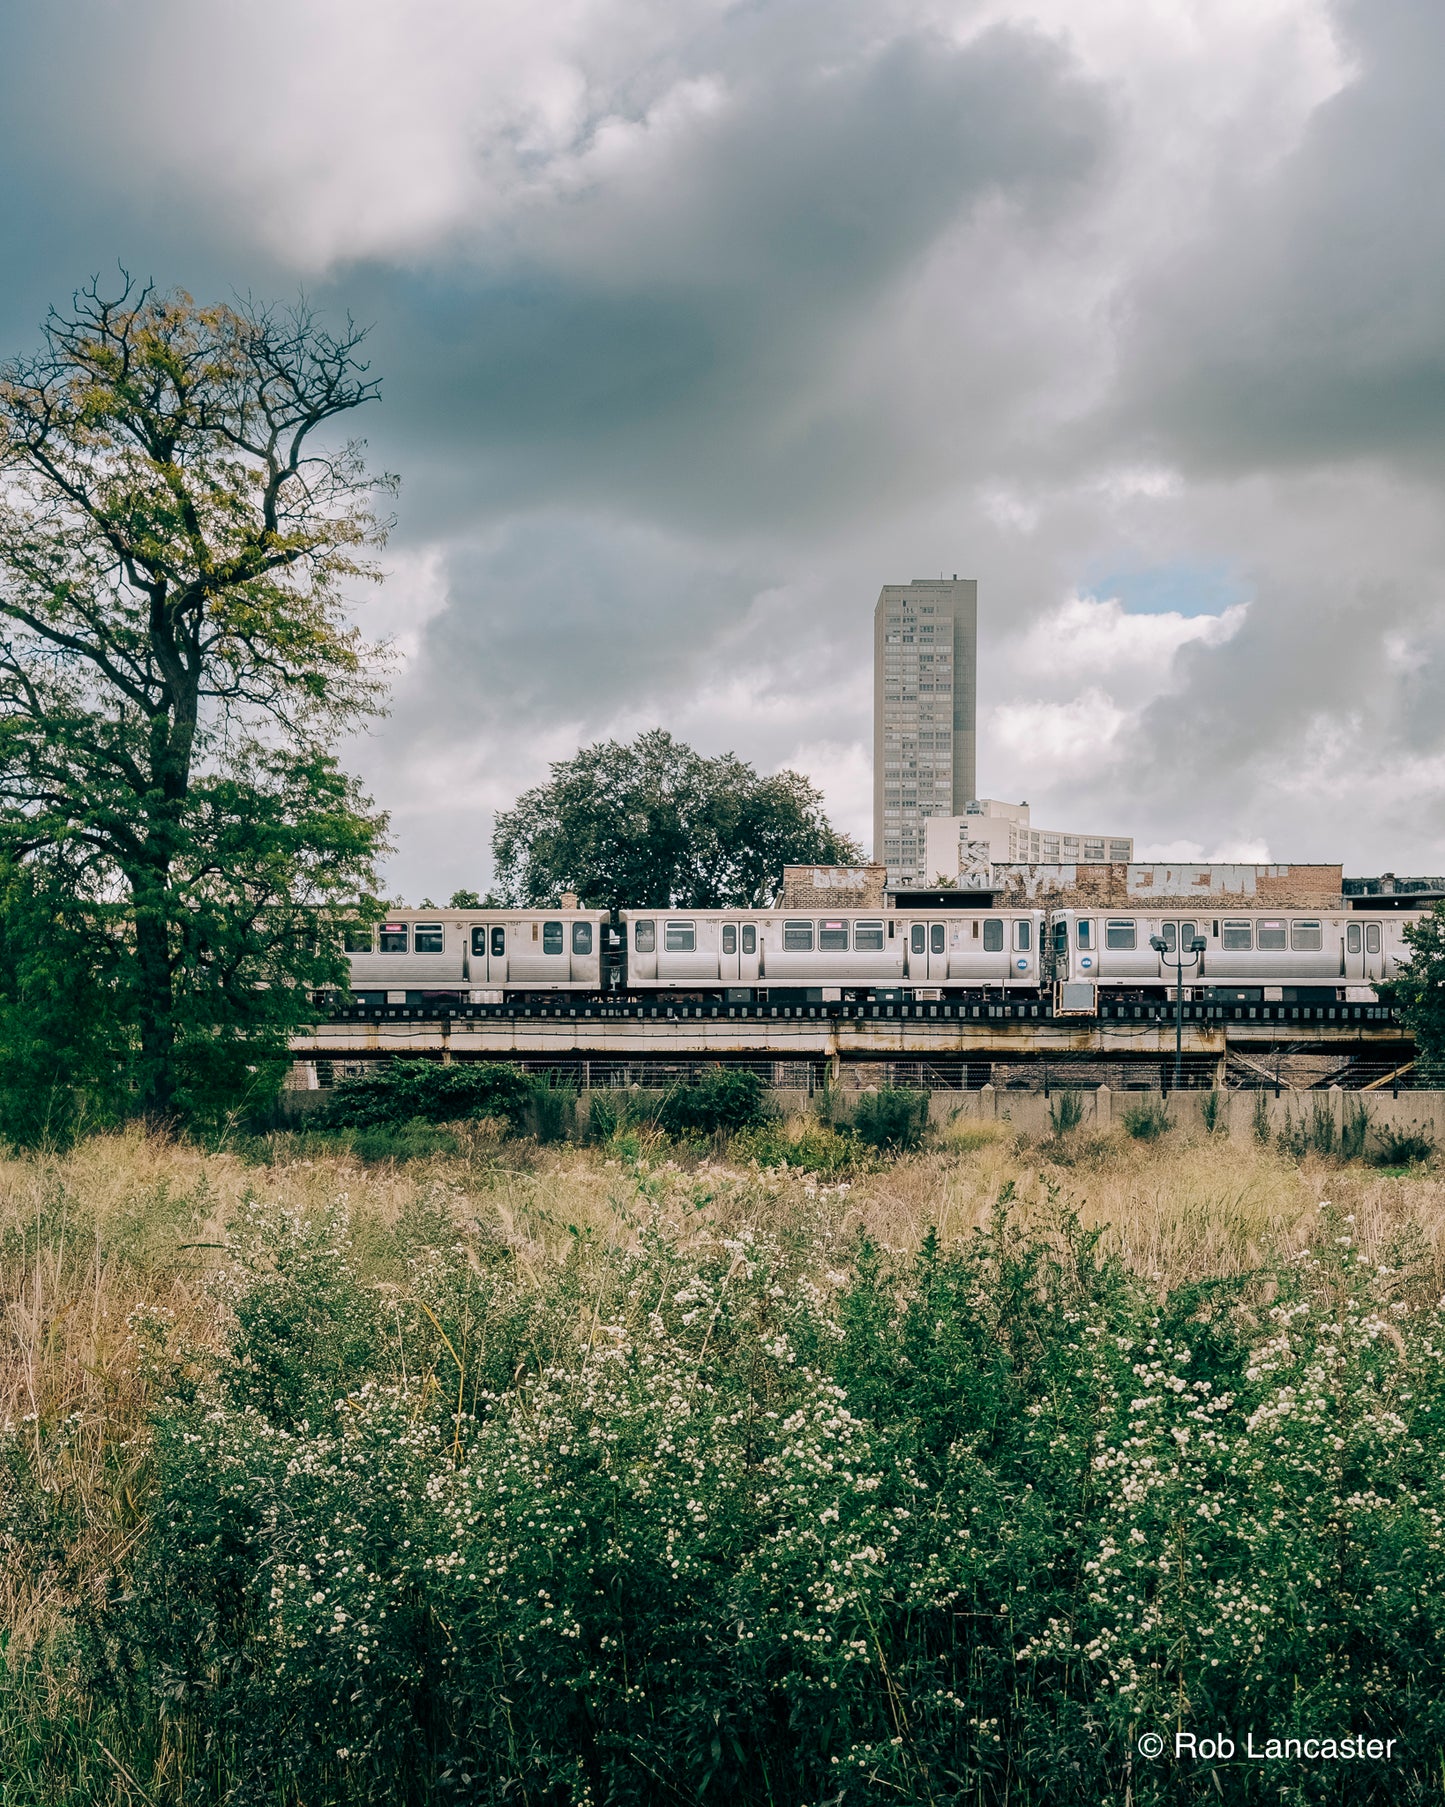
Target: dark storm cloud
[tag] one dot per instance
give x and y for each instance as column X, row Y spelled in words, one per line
column 667, row 336
column 698, row 321
column 1303, row 323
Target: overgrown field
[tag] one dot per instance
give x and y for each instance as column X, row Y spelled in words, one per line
column 655, row 1472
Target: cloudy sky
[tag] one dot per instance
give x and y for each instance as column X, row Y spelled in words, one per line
column 699, row 320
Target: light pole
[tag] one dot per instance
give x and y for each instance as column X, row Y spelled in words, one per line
column 1196, row 948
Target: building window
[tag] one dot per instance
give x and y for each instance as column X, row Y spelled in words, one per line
column 429, row 938
column 680, row 937
column 553, row 941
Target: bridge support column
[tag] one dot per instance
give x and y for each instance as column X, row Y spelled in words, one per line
column 1103, row 1107
column 987, row 1101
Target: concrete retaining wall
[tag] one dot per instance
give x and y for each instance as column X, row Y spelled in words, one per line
column 1029, row 1113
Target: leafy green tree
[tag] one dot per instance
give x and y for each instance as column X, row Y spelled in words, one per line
column 63, row 1037
column 177, row 524
column 654, row 823
column 1418, row 991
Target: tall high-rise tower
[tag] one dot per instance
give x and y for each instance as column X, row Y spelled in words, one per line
column 925, row 693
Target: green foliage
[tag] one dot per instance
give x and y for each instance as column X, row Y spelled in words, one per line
column 553, row 1113
column 1315, row 1134
column 1259, row 1121
column 175, row 665
column 402, row 1091
column 1066, row 1112
column 1214, row 1112
column 64, row 1044
column 817, row 1148
column 721, row 1099
column 1146, row 1120
column 1418, row 989
column 655, row 824
column 950, row 1527
column 1354, row 1131
column 893, row 1117
column 1401, row 1147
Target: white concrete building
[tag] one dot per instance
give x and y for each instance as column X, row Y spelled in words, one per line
column 990, row 833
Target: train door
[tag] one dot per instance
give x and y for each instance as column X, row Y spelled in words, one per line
column 1176, row 936
column 937, row 953
column 749, row 959
column 1354, row 953
column 728, row 956
column 1374, row 952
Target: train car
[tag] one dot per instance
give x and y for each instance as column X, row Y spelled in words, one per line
column 1295, row 955
column 477, row 956
column 743, row 953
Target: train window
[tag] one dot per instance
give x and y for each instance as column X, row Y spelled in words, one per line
column 1168, row 934
column 920, row 937
column 1237, row 935
column 798, row 937
column 356, row 937
column 553, row 941
column 479, row 943
column 393, row 938
column 679, row 937
column 1306, row 937
column 730, row 938
column 581, row 937
column 1086, row 934
column 499, row 943
column 1119, row 934
column 1187, row 932
column 833, row 936
column 1061, row 937
column 1372, row 937
column 1271, row 937
column 644, row 937
column 993, row 935
column 1023, row 935
column 937, row 938
column 750, row 938
column 429, row 938
column 1354, row 941
column 868, row 937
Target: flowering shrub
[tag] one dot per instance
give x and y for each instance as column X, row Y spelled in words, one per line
column 745, row 1519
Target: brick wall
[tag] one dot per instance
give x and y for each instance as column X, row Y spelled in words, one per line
column 833, row 887
column 1172, row 884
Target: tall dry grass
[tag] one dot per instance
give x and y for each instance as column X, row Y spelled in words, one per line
column 124, row 1231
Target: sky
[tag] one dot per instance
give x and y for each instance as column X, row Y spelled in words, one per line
column 700, row 320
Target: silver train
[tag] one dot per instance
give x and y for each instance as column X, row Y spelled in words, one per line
column 746, row 956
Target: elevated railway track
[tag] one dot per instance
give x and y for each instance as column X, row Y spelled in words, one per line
column 957, row 1044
